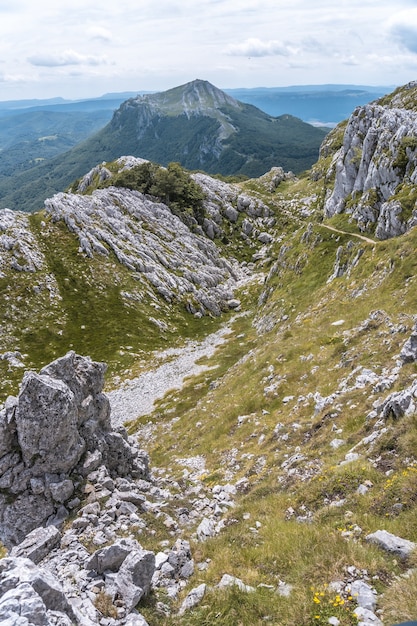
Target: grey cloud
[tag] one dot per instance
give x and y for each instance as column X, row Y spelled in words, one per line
column 406, row 35
column 69, row 57
column 100, row 34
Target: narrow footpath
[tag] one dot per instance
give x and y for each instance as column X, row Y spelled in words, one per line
column 344, row 232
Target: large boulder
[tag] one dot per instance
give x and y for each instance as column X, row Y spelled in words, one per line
column 56, row 431
column 47, row 425
column 391, row 543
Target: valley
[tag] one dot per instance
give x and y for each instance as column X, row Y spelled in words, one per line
column 276, row 481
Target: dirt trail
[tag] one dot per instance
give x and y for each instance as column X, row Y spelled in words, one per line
column 344, row 232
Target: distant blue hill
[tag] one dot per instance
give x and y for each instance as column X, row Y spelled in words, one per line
column 318, row 104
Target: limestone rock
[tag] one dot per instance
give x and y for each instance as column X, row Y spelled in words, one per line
column 391, row 543
column 37, row 544
column 193, row 598
column 46, row 422
column 366, row 617
column 152, row 242
column 206, row 529
column 111, row 557
column 399, row 403
column 24, row 586
column 56, row 429
column 18, row 246
column 135, row 619
column 378, row 154
column 408, row 352
column 228, row 581
column 364, row 594
column 134, row 577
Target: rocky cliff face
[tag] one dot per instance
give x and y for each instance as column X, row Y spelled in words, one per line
column 376, row 168
column 148, row 239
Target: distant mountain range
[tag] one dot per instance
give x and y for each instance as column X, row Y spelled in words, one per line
column 195, row 124
column 324, row 105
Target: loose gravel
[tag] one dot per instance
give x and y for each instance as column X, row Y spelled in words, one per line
column 136, row 397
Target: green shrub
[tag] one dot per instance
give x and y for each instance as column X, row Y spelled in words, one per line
column 173, row 185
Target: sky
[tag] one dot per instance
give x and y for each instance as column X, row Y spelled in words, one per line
column 85, row 48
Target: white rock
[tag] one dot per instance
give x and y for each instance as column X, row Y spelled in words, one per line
column 193, row 598
column 228, row 581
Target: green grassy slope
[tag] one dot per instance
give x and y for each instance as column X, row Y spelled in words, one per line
column 282, row 390
column 255, row 419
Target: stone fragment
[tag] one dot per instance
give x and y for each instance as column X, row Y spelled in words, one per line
column 228, row 581
column 180, row 559
column 284, row 589
column 206, row 529
column 22, row 606
column 135, row 619
column 16, row 571
column 134, row 577
column 363, row 594
column 37, row 544
column 193, row 598
column 336, row 443
column 391, row 543
column 111, row 557
column 265, row 238
column 408, row 352
column 366, row 617
column 62, row 491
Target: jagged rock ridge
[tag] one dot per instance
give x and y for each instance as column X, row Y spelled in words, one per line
column 376, row 167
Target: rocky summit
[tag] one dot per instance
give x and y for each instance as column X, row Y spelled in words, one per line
column 209, row 390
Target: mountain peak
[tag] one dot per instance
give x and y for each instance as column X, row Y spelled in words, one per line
column 191, row 98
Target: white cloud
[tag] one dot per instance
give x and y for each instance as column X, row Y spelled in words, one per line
column 68, row 57
column 241, row 43
column 12, row 78
column 99, row 33
column 256, row 48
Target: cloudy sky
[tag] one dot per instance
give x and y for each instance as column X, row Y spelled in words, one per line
column 85, row 48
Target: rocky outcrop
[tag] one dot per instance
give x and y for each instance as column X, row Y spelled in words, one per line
column 52, row 435
column 59, row 455
column 148, row 239
column 376, row 168
column 31, row 595
column 223, row 205
column 19, row 249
